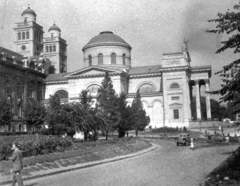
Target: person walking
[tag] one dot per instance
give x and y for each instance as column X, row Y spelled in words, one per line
column 17, row 165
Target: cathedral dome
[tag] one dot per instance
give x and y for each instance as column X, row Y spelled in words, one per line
column 106, row 38
column 29, row 11
column 54, row 27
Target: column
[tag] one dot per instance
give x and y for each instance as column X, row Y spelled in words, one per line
column 191, row 102
column 208, row 103
column 25, row 94
column 198, row 101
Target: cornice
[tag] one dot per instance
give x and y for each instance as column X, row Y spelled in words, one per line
column 17, row 67
column 136, row 76
column 132, row 95
column 107, row 44
column 55, row 82
column 174, row 69
column 92, row 75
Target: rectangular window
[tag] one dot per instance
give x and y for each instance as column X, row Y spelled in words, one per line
column 175, row 113
column 175, row 98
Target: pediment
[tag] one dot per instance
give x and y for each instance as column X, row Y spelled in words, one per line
column 175, row 105
column 93, row 71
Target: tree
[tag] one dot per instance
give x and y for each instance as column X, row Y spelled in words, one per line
column 139, row 115
column 89, row 119
column 106, row 101
column 124, row 115
column 5, row 113
column 229, row 23
column 52, row 109
column 35, row 115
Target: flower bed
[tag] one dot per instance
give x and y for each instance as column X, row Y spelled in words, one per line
column 30, row 145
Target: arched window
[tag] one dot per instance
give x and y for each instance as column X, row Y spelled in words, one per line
column 174, row 86
column 93, row 89
column 113, row 58
column 23, row 35
column 100, row 59
column 27, row 35
column 124, row 59
column 19, row 36
column 147, row 88
column 63, row 95
column 50, row 49
column 90, row 60
column 46, row 48
column 54, row 48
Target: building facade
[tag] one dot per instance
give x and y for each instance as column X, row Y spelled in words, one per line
column 166, row 88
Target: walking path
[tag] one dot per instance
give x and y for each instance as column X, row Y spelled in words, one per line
column 48, row 169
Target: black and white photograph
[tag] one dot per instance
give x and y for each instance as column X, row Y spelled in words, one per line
column 119, row 92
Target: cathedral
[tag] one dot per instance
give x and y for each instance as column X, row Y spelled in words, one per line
column 38, row 69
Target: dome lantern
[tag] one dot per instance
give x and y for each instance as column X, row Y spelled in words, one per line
column 29, row 15
column 54, row 30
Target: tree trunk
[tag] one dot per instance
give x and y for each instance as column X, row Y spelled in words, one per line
column 136, row 132
column 106, row 135
column 121, row 134
column 85, row 133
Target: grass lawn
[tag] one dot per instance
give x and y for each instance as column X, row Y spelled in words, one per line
column 82, row 152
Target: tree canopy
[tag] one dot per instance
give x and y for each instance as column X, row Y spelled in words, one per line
column 229, row 23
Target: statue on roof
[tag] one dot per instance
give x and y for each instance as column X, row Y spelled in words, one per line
column 185, row 50
column 184, row 46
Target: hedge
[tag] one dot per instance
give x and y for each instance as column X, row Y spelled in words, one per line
column 30, row 146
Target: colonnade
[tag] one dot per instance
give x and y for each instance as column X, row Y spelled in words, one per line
column 198, row 98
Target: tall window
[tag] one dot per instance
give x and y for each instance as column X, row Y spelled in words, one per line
column 90, row 60
column 113, row 58
column 46, row 48
column 50, row 49
column 100, row 59
column 23, row 35
column 54, row 48
column 19, row 36
column 27, row 35
column 124, row 59
column 175, row 113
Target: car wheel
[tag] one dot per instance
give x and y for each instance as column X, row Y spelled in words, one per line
column 177, row 144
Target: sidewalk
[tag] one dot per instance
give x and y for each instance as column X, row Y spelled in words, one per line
column 56, row 167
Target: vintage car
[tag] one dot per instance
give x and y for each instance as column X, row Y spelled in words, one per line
column 183, row 139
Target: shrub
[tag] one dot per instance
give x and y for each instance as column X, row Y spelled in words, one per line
column 30, row 146
column 165, row 129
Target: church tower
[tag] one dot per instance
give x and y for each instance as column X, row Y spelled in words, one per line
column 29, row 35
column 55, row 48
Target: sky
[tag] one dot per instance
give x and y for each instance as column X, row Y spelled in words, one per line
column 151, row 27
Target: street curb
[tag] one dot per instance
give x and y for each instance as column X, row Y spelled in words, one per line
column 88, row 164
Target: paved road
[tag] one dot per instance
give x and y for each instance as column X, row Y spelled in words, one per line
column 169, row 165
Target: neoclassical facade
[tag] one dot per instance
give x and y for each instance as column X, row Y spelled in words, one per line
column 167, row 89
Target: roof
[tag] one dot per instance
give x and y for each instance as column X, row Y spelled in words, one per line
column 54, row 27
column 144, row 69
column 29, row 11
column 10, row 53
column 56, row 77
column 106, row 38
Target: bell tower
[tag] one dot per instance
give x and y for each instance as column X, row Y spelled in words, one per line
column 29, row 35
column 55, row 48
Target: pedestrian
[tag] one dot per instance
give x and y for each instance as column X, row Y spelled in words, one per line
column 17, row 165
